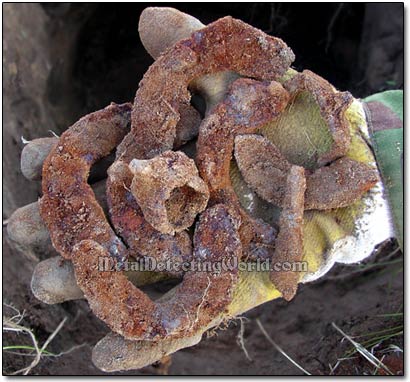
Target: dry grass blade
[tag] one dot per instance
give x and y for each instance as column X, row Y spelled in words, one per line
column 339, row 361
column 279, row 349
column 363, row 351
column 239, row 338
column 387, row 315
column 392, row 348
column 24, row 140
column 13, row 325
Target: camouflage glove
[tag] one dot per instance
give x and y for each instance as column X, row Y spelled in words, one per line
column 385, row 119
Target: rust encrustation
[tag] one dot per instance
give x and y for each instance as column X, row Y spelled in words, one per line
column 338, row 185
column 289, row 243
column 226, row 44
column 142, row 239
column 68, row 206
column 154, row 194
column 262, row 166
column 194, row 303
column 265, row 170
column 248, row 105
column 169, row 191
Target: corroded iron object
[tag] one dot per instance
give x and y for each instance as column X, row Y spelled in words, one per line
column 289, row 243
column 142, row 239
column 226, row 44
column 26, row 227
column 169, row 191
column 338, row 185
column 265, row 171
column 68, row 206
column 248, row 105
column 148, row 206
column 77, row 223
column 262, row 166
column 194, row 302
column 154, row 194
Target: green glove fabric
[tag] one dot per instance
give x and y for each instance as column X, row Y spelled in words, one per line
column 385, row 120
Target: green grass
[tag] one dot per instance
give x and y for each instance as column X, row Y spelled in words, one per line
column 25, row 347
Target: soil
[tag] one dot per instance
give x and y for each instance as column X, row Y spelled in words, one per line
column 67, row 60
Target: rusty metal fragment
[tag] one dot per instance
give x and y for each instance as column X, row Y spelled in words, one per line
column 54, row 280
column 192, row 304
column 262, row 166
column 154, row 194
column 68, row 206
column 37, row 150
column 332, row 104
column 112, row 297
column 170, row 26
column 169, row 191
column 226, row 44
column 248, row 105
column 265, row 171
column 142, row 239
column 339, row 184
column 289, row 243
column 27, row 229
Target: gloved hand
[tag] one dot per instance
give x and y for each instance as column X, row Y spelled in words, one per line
column 345, row 235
